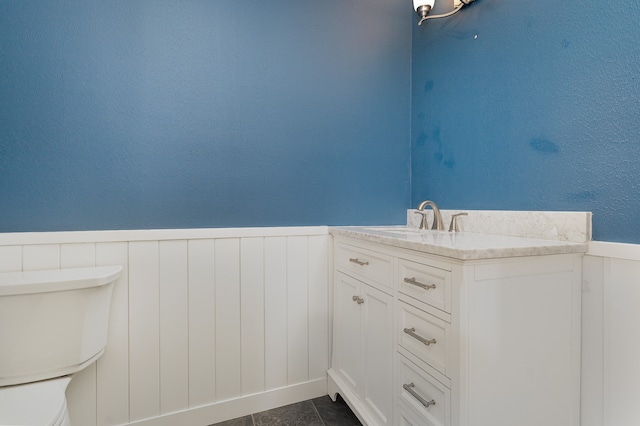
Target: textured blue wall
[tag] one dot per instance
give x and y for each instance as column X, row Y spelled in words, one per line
column 540, row 112
column 175, row 114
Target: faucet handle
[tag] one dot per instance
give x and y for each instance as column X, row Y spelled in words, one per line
column 423, row 221
column 453, row 227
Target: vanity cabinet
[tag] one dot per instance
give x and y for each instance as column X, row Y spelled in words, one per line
column 422, row 339
column 363, row 330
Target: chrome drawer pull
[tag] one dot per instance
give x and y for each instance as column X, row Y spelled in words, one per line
column 412, row 332
column 409, row 388
column 360, row 300
column 413, row 281
column 358, row 261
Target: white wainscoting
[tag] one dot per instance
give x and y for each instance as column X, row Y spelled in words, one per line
column 206, row 324
column 611, row 335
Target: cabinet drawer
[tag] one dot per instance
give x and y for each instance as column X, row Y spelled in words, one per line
column 424, row 335
column 405, row 417
column 365, row 264
column 425, row 283
column 424, row 400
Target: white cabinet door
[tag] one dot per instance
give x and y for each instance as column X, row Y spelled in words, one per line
column 347, row 331
column 363, row 352
column 377, row 354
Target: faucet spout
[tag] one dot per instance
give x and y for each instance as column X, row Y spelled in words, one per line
column 437, row 217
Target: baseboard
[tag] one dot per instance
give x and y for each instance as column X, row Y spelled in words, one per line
column 226, row 410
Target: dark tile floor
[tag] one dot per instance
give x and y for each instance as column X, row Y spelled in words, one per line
column 314, row 412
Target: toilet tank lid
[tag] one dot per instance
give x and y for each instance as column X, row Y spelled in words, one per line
column 44, row 281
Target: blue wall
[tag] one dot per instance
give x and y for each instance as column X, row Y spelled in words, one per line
column 176, row 114
column 172, row 114
column 540, row 112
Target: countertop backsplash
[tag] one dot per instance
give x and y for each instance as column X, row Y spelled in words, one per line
column 558, row 226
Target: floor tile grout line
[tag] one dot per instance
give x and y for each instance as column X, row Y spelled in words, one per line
column 313, row 404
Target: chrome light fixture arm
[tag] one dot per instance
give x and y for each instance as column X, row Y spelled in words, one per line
column 423, row 7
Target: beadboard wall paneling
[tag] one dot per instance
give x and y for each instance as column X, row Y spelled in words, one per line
column 297, row 307
column 621, row 343
column 610, row 349
column 226, row 271
column 202, row 323
column 82, row 391
column 174, row 326
column 252, row 315
column 318, row 305
column 275, row 270
column 203, row 327
column 112, row 381
column 144, row 330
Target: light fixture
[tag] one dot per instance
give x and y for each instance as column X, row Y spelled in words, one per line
column 423, row 7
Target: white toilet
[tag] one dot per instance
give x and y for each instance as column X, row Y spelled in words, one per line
column 52, row 324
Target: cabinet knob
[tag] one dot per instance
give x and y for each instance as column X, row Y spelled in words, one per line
column 358, row 300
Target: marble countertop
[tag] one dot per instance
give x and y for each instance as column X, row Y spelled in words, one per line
column 460, row 245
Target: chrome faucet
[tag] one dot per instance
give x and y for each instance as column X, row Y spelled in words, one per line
column 437, row 217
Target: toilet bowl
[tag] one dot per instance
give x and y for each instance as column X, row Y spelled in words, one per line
column 53, row 324
column 40, row 403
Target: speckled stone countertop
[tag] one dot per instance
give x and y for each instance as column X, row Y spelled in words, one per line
column 460, row 245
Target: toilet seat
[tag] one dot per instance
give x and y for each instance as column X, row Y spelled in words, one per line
column 35, row 404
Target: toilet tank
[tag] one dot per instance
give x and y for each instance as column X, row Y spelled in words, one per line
column 53, row 322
